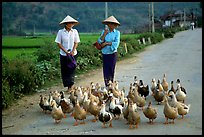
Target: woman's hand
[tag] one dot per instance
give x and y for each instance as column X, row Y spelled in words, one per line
column 72, row 53
column 105, row 32
column 103, row 44
column 106, row 44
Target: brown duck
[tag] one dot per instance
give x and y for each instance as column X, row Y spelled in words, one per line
column 150, row 112
column 133, row 116
column 79, row 113
column 169, row 112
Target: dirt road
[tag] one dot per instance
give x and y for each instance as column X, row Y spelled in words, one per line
column 180, row 57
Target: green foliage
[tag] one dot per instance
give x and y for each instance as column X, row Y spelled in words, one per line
column 168, row 33
column 7, row 94
column 121, row 50
column 49, row 51
column 45, row 71
column 156, row 38
column 20, row 76
column 87, row 56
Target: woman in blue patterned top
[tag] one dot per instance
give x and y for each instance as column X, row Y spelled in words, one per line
column 109, row 40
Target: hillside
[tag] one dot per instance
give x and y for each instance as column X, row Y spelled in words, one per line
column 45, row 16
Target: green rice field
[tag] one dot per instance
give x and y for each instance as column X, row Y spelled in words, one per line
column 12, row 53
column 14, row 45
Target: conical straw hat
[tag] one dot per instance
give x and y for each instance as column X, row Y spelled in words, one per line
column 111, row 19
column 69, row 19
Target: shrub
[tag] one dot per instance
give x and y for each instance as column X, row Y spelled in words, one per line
column 20, row 76
column 7, row 94
column 48, row 52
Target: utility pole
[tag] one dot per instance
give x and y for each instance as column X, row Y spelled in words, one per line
column 34, row 29
column 196, row 18
column 149, row 15
column 184, row 17
column 171, row 23
column 153, row 30
column 106, row 12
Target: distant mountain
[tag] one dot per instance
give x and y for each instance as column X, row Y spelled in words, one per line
column 45, row 16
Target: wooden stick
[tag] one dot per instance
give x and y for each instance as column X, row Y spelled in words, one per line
column 8, row 126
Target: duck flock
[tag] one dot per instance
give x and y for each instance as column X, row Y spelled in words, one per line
column 106, row 104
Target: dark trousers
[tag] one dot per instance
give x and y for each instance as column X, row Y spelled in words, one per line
column 109, row 62
column 66, row 73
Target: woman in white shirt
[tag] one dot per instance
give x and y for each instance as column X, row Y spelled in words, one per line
column 67, row 40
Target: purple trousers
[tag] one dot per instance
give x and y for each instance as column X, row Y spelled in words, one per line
column 66, row 73
column 109, row 62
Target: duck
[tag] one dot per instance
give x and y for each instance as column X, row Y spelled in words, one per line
column 125, row 108
column 180, row 95
column 114, row 108
column 172, row 87
column 135, row 81
column 164, row 83
column 104, row 116
column 113, row 88
column 56, row 96
column 47, row 106
column 41, row 103
column 57, row 113
column 183, row 109
column 72, row 97
column 91, row 96
column 159, row 85
column 130, row 92
column 108, row 101
column 93, row 88
column 79, row 113
column 86, row 101
column 182, row 88
column 139, row 100
column 97, row 86
column 150, row 112
column 103, row 93
column 94, row 109
column 122, row 98
column 79, row 95
column 66, row 105
column 159, row 93
column 143, row 90
column 169, row 112
column 153, row 86
column 133, row 116
column 159, row 96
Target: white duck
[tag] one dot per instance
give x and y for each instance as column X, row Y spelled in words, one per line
column 114, row 108
column 104, row 116
column 180, row 95
column 183, row 109
column 182, row 88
